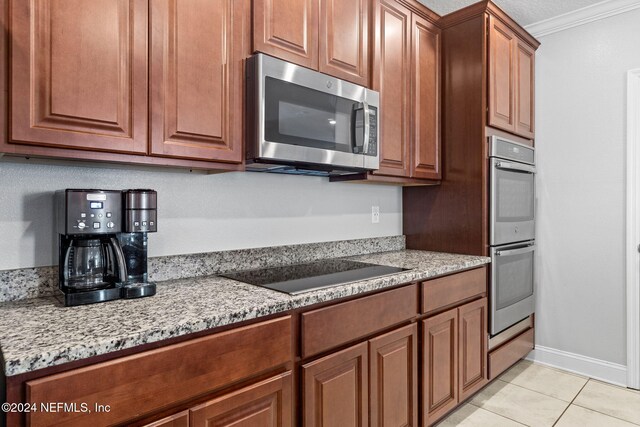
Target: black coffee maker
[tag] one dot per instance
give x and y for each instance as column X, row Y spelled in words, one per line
column 91, row 262
column 102, row 236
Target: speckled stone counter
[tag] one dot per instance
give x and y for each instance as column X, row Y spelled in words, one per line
column 38, row 333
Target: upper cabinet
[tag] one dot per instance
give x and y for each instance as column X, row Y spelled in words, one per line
column 406, row 72
column 511, row 80
column 287, row 29
column 128, row 81
column 330, row 36
column 79, row 74
column 344, row 40
column 196, row 79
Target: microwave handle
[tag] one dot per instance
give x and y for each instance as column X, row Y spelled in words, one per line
column 518, row 251
column 364, row 148
column 500, row 164
column 367, row 127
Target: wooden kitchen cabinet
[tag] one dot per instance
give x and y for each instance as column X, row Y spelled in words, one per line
column 454, row 358
column 265, row 404
column 472, row 347
column 336, row 390
column 439, row 365
column 511, row 84
column 79, row 74
column 330, row 36
column 425, row 99
column 406, row 72
column 181, row 419
column 287, row 29
column 127, row 81
column 393, row 382
column 391, row 77
column 196, row 83
column 344, row 40
column 525, row 89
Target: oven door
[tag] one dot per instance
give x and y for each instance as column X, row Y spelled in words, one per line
column 512, row 293
column 303, row 116
column 512, row 201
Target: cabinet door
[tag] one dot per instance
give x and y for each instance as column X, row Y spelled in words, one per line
column 501, row 76
column 393, row 363
column 525, row 94
column 196, row 79
column 344, row 39
column 440, row 365
column 472, row 320
column 391, row 78
column 336, row 389
column 425, row 92
column 287, row 29
column 79, row 74
column 265, row 404
column 181, row 419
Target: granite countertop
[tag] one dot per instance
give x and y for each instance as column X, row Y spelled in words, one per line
column 39, row 333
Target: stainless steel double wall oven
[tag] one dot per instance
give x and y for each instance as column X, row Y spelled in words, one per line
column 512, row 227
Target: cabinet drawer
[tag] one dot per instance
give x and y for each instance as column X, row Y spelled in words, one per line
column 448, row 290
column 332, row 326
column 145, row 382
column 505, row 356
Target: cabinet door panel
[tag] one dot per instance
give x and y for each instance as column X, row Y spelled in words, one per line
column 525, row 94
column 196, row 79
column 336, row 389
column 391, row 78
column 266, row 404
column 79, row 74
column 472, row 319
column 425, row 77
column 287, row 29
column 180, row 419
column 393, row 359
column 501, row 76
column 440, row 365
column 344, row 39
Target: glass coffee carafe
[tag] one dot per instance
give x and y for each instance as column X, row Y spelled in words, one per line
column 91, row 263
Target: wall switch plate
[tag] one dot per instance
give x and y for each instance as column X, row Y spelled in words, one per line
column 375, row 214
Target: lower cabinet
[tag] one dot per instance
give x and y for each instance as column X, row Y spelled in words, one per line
column 373, row 383
column 336, row 389
column 454, row 358
column 264, row 404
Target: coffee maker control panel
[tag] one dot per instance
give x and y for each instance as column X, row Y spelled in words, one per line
column 83, row 212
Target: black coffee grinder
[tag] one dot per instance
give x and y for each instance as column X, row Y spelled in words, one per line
column 139, row 218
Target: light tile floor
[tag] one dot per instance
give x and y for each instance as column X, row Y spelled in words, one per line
column 535, row 395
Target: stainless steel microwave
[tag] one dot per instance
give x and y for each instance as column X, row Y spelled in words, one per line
column 302, row 121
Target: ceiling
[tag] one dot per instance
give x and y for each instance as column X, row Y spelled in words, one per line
column 525, row 12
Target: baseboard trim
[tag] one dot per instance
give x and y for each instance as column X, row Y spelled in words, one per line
column 588, row 366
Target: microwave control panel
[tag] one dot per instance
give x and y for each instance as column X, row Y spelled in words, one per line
column 373, row 132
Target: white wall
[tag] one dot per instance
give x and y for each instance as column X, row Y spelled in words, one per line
column 580, row 142
column 197, row 212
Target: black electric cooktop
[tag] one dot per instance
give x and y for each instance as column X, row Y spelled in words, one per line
column 300, row 278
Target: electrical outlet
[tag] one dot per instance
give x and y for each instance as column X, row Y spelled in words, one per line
column 375, row 214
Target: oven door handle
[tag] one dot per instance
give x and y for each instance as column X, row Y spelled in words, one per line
column 500, row 164
column 367, row 127
column 518, row 251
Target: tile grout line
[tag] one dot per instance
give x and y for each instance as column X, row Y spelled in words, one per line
column 572, row 400
column 539, row 392
column 598, row 412
column 495, row 413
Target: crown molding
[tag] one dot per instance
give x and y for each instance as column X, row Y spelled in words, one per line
column 582, row 16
